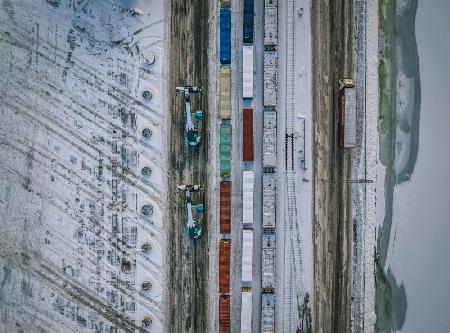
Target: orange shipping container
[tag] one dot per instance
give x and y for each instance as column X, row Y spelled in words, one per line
column 224, row 265
column 224, row 314
column 248, row 135
column 225, row 207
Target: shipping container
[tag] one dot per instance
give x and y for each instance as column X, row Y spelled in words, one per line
column 270, row 23
column 248, row 22
column 247, row 135
column 270, row 78
column 269, row 200
column 225, row 35
column 247, row 255
column 224, row 314
column 248, row 179
column 225, row 207
column 347, row 114
column 225, row 150
column 246, row 311
column 267, row 313
column 247, row 72
column 224, row 265
column 268, row 262
column 269, row 139
column 225, row 92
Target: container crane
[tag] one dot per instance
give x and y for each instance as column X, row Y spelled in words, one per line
column 193, row 226
column 193, row 121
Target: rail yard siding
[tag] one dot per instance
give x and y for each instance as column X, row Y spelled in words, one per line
column 270, row 23
column 269, row 139
column 225, row 150
column 248, row 179
column 347, row 118
column 268, row 262
column 247, row 135
column 269, row 200
column 246, row 311
column 224, row 265
column 267, row 313
column 225, row 92
column 224, row 314
column 270, row 78
column 248, row 22
column 225, row 35
column 247, row 255
column 247, row 72
column 225, row 207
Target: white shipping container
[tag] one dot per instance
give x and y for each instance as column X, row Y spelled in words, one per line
column 246, row 312
column 350, row 117
column 268, row 313
column 269, row 200
column 248, row 178
column 247, row 255
column 270, row 78
column 268, row 262
column 270, row 23
column 269, row 139
column 247, row 72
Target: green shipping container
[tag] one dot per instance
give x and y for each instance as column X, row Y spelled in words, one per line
column 225, row 150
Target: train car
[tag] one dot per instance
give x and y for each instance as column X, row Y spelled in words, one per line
column 225, row 207
column 224, row 265
column 270, row 78
column 224, row 314
column 269, row 140
column 267, row 313
column 347, row 114
column 225, row 93
column 247, row 135
column 269, row 201
column 248, row 23
column 225, row 150
column 248, row 180
column 247, row 255
column 268, row 262
column 270, row 24
column 246, row 310
column 225, row 35
column 247, row 72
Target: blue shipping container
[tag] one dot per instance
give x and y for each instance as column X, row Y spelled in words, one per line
column 225, row 35
column 248, row 22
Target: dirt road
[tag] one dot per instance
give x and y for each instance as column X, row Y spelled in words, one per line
column 187, row 259
column 332, row 60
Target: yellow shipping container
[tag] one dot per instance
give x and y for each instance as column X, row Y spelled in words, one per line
column 225, row 92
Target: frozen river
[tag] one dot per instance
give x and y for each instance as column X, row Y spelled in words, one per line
column 413, row 201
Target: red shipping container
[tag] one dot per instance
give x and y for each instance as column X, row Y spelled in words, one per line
column 224, row 314
column 224, row 265
column 225, row 207
column 247, row 135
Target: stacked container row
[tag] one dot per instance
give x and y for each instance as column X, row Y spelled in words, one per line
column 225, row 150
column 268, row 262
column 269, row 139
column 225, row 35
column 225, row 207
column 247, row 135
column 225, row 92
column 224, row 314
column 270, row 24
column 224, row 265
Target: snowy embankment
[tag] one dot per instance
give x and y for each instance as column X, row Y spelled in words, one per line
column 72, row 152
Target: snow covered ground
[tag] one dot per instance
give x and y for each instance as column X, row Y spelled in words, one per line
column 72, row 75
